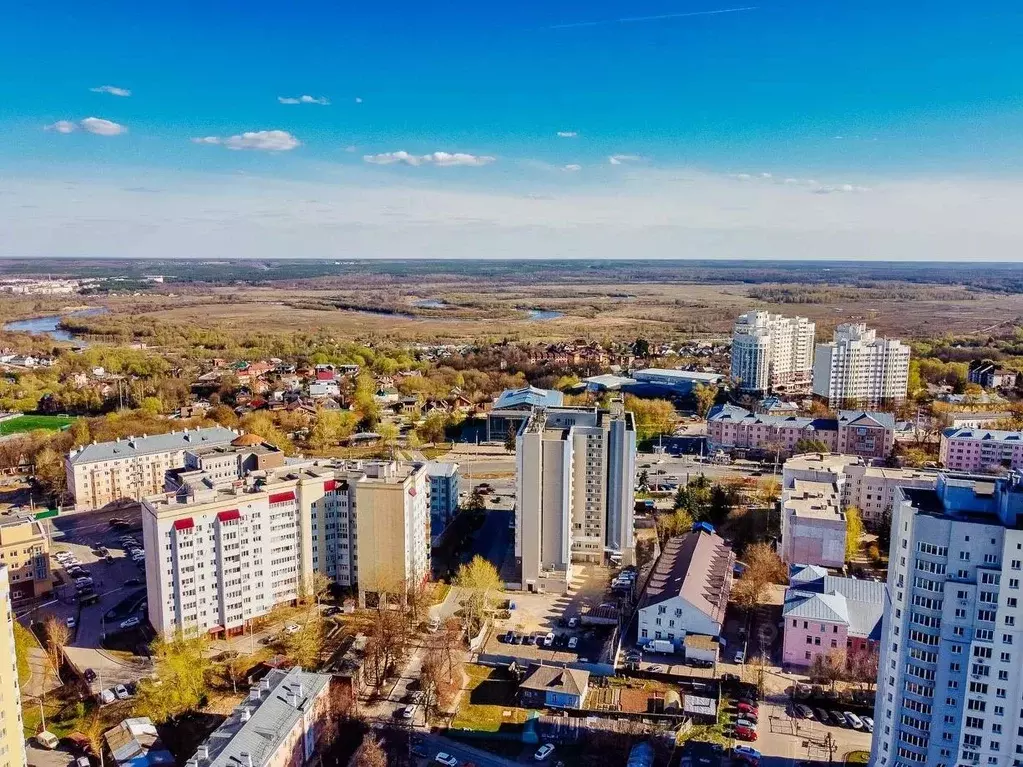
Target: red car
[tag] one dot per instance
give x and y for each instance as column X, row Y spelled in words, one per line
column 746, row 733
column 747, row 708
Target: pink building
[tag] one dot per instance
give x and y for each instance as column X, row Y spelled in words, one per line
column 978, row 450
column 855, row 432
column 825, row 613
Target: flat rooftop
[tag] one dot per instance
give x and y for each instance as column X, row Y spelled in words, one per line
column 814, row 500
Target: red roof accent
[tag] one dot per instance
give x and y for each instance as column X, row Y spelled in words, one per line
column 282, row 497
column 324, row 375
column 230, row 515
column 184, row 524
column 329, row 485
column 412, row 492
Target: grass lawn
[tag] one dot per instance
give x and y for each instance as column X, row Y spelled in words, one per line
column 31, row 422
column 440, row 592
column 23, row 639
column 490, row 692
column 857, row 757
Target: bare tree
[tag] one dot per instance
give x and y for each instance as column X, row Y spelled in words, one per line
column 370, row 753
column 57, row 636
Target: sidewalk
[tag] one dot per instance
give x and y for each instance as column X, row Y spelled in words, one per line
column 42, row 679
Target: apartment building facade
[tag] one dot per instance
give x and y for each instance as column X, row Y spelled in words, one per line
column 772, row 352
column 25, row 552
column 871, row 489
column 813, row 526
column 868, row 434
column 950, row 678
column 445, row 485
column 104, row 472
column 12, row 736
column 859, row 369
column 224, row 554
column 969, row 449
column 575, row 474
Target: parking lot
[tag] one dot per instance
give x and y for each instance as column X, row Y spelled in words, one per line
column 118, row 584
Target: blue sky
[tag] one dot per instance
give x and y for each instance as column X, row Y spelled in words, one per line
column 738, row 129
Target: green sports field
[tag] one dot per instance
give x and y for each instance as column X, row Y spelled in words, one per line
column 30, row 422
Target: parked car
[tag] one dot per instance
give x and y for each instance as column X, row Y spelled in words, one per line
column 746, row 707
column 854, row 721
column 130, row 623
column 543, row 752
column 47, row 740
column 82, row 761
column 839, row 718
column 107, row 696
column 509, row 637
column 822, row 716
column 70, row 621
column 868, row 723
column 548, row 641
column 746, row 722
column 803, row 711
column 292, row 628
column 446, row 759
column 121, row 692
column 89, row 674
column 745, row 733
column 573, row 621
column 747, row 755
column 573, row 642
column 331, row 610
column 740, row 657
column 408, row 712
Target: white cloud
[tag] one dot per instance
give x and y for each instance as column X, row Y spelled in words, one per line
column 321, row 100
column 573, row 167
column 358, row 99
column 264, row 140
column 618, row 159
column 113, row 90
column 62, row 126
column 101, row 127
column 351, row 148
column 567, row 134
column 442, row 159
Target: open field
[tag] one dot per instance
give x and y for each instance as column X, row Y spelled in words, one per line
column 592, row 311
column 25, row 423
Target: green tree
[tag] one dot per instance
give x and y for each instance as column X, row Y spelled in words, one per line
column 853, row 532
column 151, row 406
column 262, row 425
column 704, row 394
column 478, row 579
column 644, row 479
column 510, row 441
column 806, row 445
column 433, row 427
column 178, row 683
column 641, row 347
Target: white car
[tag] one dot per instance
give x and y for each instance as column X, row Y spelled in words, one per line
column 543, row 752
column 548, row 641
column 121, row 692
column 130, row 623
column 70, row 621
column 853, row 720
column 740, row 656
column 83, row 761
column 573, row 642
column 107, row 696
column 292, row 628
column 446, row 759
column 408, row 712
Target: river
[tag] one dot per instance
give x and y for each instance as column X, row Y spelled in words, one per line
column 49, row 325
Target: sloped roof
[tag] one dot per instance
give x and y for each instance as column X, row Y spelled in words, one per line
column 804, row 573
column 995, row 435
column 135, row 742
column 864, row 600
column 530, row 396
column 865, row 418
column 830, row 608
column 149, row 445
column 257, row 727
column 697, row 567
column 556, row 679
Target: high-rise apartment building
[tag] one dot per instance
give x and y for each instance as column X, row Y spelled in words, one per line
column 133, row 467
column 859, row 369
column 772, row 352
column 12, row 736
column 575, row 474
column 223, row 554
column 950, row 677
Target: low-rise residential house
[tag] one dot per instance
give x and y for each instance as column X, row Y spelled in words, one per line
column 813, row 525
column 320, row 389
column 688, row 590
column 825, row 613
column 554, row 687
column 989, row 375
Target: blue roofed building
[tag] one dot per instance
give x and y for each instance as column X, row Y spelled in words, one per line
column 514, row 406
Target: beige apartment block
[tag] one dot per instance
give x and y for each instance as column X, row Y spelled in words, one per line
column 25, row 552
column 134, row 467
column 12, row 740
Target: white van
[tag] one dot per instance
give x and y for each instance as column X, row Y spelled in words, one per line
column 47, row 740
